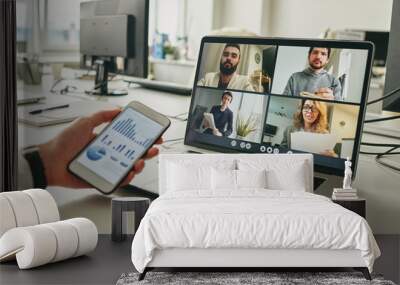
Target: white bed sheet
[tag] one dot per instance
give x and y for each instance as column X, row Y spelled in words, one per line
column 251, row 218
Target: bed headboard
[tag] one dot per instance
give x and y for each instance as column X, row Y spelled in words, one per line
column 193, row 160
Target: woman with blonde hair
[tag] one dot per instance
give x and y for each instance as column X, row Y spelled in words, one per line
column 312, row 116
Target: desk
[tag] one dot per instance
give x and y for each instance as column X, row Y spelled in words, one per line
column 379, row 185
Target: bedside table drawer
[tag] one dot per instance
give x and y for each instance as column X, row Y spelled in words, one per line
column 357, row 206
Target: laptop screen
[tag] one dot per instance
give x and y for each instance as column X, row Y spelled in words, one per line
column 261, row 95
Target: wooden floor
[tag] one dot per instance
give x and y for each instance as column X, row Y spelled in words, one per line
column 110, row 260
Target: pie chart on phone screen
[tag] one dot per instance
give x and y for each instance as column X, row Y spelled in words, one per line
column 95, row 152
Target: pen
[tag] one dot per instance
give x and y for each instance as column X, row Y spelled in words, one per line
column 34, row 112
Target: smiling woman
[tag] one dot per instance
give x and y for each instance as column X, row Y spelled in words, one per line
column 311, row 117
column 8, row 119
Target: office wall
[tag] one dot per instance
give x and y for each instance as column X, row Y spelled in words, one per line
column 247, row 15
column 209, row 98
column 288, row 61
column 280, row 114
column 355, row 77
column 199, row 22
column 307, row 18
column 344, row 121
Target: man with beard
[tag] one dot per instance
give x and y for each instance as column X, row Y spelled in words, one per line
column 315, row 80
column 227, row 78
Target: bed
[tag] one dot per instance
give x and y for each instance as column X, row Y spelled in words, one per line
column 246, row 211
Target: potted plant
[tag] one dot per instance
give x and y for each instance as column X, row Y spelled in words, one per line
column 244, row 127
column 169, row 52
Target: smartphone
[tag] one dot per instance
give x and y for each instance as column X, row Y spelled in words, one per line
column 108, row 158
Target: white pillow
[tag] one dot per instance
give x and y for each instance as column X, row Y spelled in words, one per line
column 251, row 178
column 283, row 172
column 227, row 179
column 223, row 179
column 184, row 177
column 295, row 179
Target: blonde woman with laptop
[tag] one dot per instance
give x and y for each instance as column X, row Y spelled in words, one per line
column 312, row 117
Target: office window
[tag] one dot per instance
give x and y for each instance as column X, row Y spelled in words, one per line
column 24, row 20
column 190, row 19
column 61, row 25
column 24, row 24
column 53, row 25
column 165, row 17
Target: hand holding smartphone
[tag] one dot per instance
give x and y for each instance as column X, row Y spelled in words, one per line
column 107, row 159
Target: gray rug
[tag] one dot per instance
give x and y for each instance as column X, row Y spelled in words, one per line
column 242, row 278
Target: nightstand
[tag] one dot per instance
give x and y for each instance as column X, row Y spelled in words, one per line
column 358, row 206
column 121, row 208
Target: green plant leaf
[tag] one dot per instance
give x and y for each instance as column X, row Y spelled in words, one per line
column 244, row 127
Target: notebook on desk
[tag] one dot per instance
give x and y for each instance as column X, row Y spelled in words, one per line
column 75, row 110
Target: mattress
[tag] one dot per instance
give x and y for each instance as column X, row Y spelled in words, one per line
column 251, row 219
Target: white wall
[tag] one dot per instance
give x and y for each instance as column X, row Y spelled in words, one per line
column 199, row 23
column 288, row 61
column 253, row 105
column 241, row 14
column 344, row 121
column 281, row 111
column 305, row 18
column 308, row 18
column 356, row 76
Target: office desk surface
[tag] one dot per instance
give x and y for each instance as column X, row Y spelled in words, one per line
column 165, row 103
column 102, row 266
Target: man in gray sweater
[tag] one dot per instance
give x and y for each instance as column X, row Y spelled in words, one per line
column 315, row 80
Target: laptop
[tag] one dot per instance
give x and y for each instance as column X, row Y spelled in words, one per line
column 312, row 142
column 250, row 83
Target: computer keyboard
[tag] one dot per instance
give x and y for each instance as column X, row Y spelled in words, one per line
column 175, row 88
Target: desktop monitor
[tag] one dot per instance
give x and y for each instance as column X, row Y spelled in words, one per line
column 270, row 95
column 114, row 38
column 393, row 62
column 381, row 40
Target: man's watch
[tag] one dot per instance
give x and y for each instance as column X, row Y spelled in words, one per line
column 35, row 162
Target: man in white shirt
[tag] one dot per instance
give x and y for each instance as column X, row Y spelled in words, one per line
column 227, row 78
column 46, row 164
